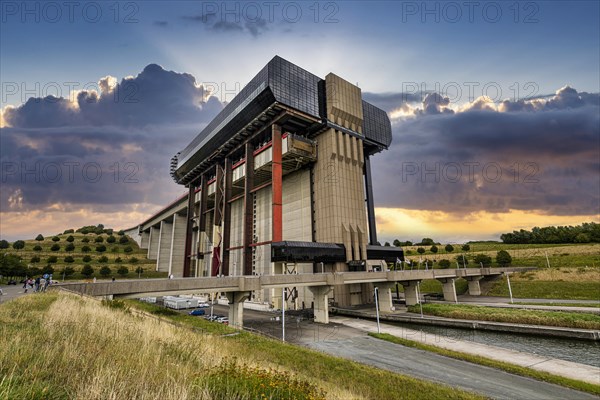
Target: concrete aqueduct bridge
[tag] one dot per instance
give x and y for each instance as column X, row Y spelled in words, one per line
column 239, row 288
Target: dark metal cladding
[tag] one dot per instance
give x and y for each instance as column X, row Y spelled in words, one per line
column 280, row 82
column 293, row 251
column 388, row 253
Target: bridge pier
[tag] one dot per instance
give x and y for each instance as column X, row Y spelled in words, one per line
column 153, row 238
column 321, row 300
column 474, row 288
column 236, row 308
column 449, row 289
column 411, row 294
column 385, row 296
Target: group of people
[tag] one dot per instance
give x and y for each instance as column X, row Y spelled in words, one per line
column 39, row 284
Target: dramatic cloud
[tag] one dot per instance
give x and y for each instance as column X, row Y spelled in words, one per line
column 104, row 152
column 539, row 155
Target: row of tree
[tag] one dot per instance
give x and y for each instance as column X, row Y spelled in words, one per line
column 588, row 232
column 503, row 258
column 12, row 266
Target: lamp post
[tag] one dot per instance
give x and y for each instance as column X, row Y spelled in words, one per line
column 509, row 288
column 377, row 308
column 283, row 314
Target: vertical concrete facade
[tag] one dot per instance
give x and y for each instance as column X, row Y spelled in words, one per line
column 177, row 248
column 154, row 237
column 339, row 195
column 163, row 257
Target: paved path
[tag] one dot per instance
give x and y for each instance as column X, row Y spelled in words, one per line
column 12, row 292
column 425, row 365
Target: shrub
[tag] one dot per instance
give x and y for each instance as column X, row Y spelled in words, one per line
column 118, row 260
column 86, row 249
column 128, row 249
column 484, row 260
column 449, row 248
column 70, row 247
column 35, row 259
column 39, row 237
column 123, row 240
column 68, row 231
column 55, row 239
column 123, row 270
column 87, row 258
column 68, row 271
column 69, row 259
column 466, row 247
column 85, row 240
column 55, row 247
column 108, row 231
column 4, row 244
column 105, row 271
column 420, row 250
column 444, row 263
column 48, row 269
column 70, row 239
column 111, row 239
column 99, row 239
column 103, row 259
column 101, row 248
column 503, row 258
column 37, row 247
column 434, row 249
column 87, row 270
column 133, row 260
column 18, row 245
column 52, row 259
column 121, row 233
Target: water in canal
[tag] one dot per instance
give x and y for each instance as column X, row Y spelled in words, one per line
column 579, row 351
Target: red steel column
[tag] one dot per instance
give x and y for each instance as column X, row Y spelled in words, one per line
column 276, row 185
column 248, row 208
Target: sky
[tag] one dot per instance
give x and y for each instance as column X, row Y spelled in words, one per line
column 495, row 105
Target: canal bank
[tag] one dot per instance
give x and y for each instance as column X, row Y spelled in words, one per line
column 405, row 317
column 567, row 369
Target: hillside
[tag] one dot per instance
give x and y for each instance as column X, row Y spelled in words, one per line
column 75, row 250
column 61, row 346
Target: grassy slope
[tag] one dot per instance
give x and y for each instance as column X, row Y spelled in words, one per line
column 60, row 346
column 518, row 316
column 513, row 369
column 113, row 250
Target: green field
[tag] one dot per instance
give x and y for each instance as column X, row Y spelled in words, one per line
column 511, row 315
column 116, row 256
column 61, row 346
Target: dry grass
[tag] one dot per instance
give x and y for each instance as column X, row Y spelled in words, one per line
column 61, row 346
column 581, row 274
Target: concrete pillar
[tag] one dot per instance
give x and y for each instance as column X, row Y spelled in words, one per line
column 385, row 296
column 164, row 246
column 153, row 243
column 474, row 288
column 144, row 240
column 449, row 289
column 411, row 294
column 321, row 301
column 177, row 250
column 236, row 308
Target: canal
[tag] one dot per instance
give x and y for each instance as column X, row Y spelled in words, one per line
column 579, row 351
